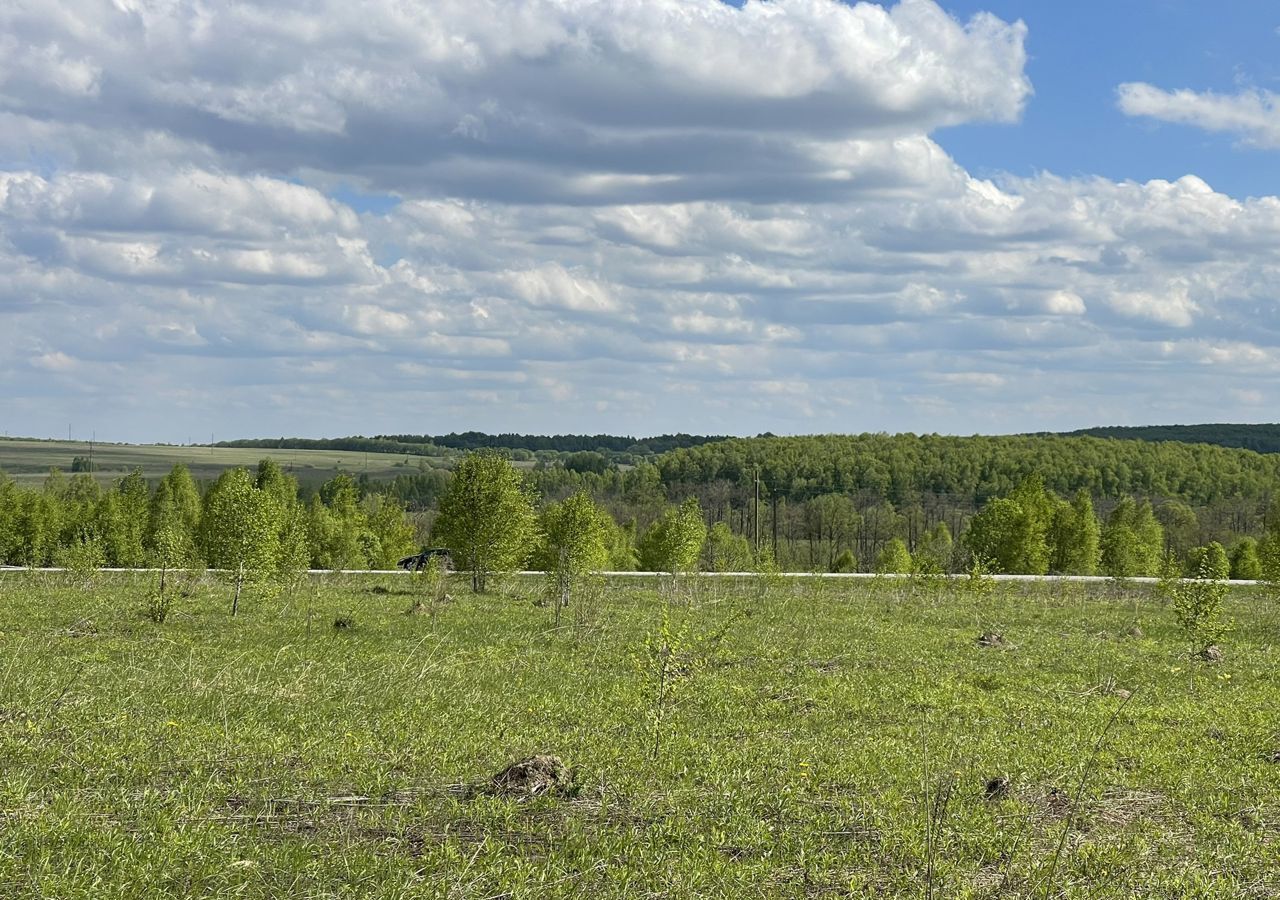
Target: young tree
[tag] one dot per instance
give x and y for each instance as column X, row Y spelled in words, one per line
column 572, row 546
column 1246, row 565
column 240, row 531
column 894, row 559
column 1073, row 537
column 1012, row 533
column 486, row 516
column 390, row 531
column 1132, row 540
column 933, row 551
column 726, row 551
column 674, row 542
column 1211, row 559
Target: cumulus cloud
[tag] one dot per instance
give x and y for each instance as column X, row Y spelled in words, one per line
column 313, row 217
column 572, row 99
column 1253, row 115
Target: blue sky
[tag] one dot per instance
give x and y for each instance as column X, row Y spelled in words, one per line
column 1079, row 52
column 269, row 217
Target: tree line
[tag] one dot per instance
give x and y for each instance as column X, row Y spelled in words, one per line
column 74, row 520
column 750, row 496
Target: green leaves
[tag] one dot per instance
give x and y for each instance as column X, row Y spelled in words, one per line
column 486, row 517
column 674, row 542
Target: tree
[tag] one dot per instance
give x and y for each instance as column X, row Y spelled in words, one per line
column 1132, row 540
column 486, row 516
column 933, row 551
column 894, row 558
column 240, row 531
column 573, row 545
column 725, row 551
column 1180, row 527
column 1012, row 533
column 1074, row 536
column 391, row 532
column 674, row 542
column 1246, row 565
column 1211, row 559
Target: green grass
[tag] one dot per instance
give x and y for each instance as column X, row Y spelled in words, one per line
column 28, row 462
column 811, row 730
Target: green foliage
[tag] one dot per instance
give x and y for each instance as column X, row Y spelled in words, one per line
column 894, row 558
column 1074, row 537
column 83, row 556
column 1211, row 558
column 667, row 661
column 1013, row 532
column 240, row 527
column 1132, row 541
column 895, row 467
column 725, row 551
column 674, row 542
column 1197, row 605
column 390, row 532
column 1246, row 565
column 574, row 535
column 486, row 517
column 933, row 551
column 846, row 562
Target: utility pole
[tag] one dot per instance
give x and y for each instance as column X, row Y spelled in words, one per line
column 757, row 511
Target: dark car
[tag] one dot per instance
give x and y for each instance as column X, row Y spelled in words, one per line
column 419, row 561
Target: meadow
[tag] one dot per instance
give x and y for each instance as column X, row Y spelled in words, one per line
column 29, row 462
column 721, row 738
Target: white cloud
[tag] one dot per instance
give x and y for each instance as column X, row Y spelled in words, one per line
column 677, row 214
column 1254, row 115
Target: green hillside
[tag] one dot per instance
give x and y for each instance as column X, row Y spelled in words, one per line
column 899, row 467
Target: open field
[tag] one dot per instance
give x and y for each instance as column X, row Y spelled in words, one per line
column 822, row 739
column 28, row 462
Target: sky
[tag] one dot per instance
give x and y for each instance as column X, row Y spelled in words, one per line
column 317, row 218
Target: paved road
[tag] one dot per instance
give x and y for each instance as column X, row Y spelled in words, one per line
column 1086, row 579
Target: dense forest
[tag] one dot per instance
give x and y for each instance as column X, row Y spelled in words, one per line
column 1260, row 438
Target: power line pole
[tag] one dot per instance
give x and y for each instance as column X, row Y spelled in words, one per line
column 757, row 511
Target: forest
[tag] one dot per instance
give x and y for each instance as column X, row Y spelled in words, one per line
column 874, row 502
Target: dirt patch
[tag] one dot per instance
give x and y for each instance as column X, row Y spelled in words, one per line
column 997, row 788
column 540, row 775
column 81, row 628
column 993, row 640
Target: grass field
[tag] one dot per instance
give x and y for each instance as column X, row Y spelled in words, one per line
column 821, row 740
column 28, row 462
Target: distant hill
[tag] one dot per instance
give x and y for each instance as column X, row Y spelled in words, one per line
column 1259, row 438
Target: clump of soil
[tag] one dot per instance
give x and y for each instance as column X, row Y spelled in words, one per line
column 534, row 776
column 1212, row 653
column 81, row 628
column 997, row 788
column 993, row 640
column 1057, row 802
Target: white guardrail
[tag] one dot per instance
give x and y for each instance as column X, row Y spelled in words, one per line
column 1084, row 579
